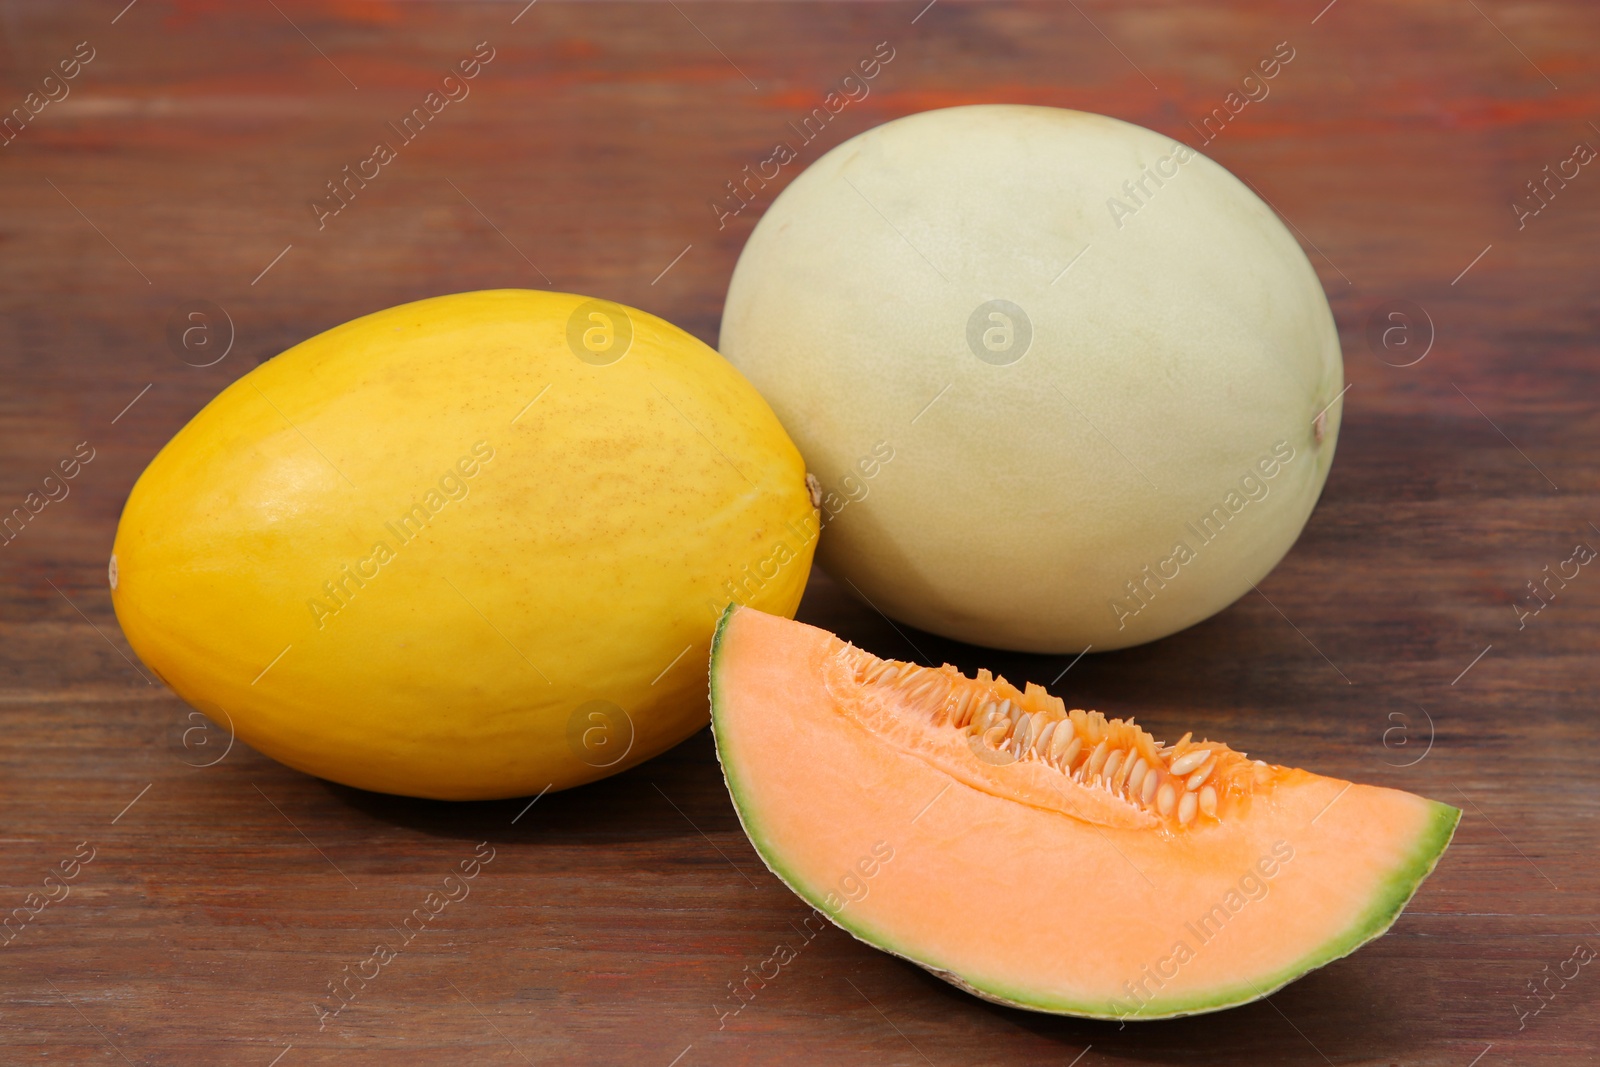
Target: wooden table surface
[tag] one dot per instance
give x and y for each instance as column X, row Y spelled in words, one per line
column 225, row 891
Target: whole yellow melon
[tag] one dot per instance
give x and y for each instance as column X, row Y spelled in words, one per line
column 470, row 547
column 1065, row 381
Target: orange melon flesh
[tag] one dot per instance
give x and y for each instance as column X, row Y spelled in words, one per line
column 1036, row 880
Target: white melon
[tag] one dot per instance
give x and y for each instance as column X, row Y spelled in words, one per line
column 1065, row 381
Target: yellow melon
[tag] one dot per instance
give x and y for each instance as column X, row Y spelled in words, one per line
column 470, row 547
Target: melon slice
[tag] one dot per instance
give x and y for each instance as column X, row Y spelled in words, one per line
column 1052, row 860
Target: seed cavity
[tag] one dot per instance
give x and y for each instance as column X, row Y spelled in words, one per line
column 1179, row 782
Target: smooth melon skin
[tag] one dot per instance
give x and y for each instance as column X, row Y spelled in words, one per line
column 537, row 622
column 1037, row 497
column 937, row 861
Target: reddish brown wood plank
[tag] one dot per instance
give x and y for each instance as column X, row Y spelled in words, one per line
column 587, row 157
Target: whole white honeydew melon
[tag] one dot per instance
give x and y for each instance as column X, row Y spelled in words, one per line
column 1102, row 372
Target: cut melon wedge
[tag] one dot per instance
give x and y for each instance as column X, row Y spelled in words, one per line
column 1051, row 860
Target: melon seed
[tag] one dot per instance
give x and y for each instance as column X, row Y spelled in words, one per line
column 1186, row 809
column 1060, row 740
column 1023, row 734
column 1208, row 801
column 1097, row 759
column 1151, row 781
column 1166, row 797
column 981, row 721
column 1136, row 776
column 1190, row 760
column 1126, row 767
column 1198, row 778
column 915, row 695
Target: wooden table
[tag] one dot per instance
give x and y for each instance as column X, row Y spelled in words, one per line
column 221, row 899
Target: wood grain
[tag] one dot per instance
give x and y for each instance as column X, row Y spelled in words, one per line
column 612, row 918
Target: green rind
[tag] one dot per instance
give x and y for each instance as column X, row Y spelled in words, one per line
column 1386, row 908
